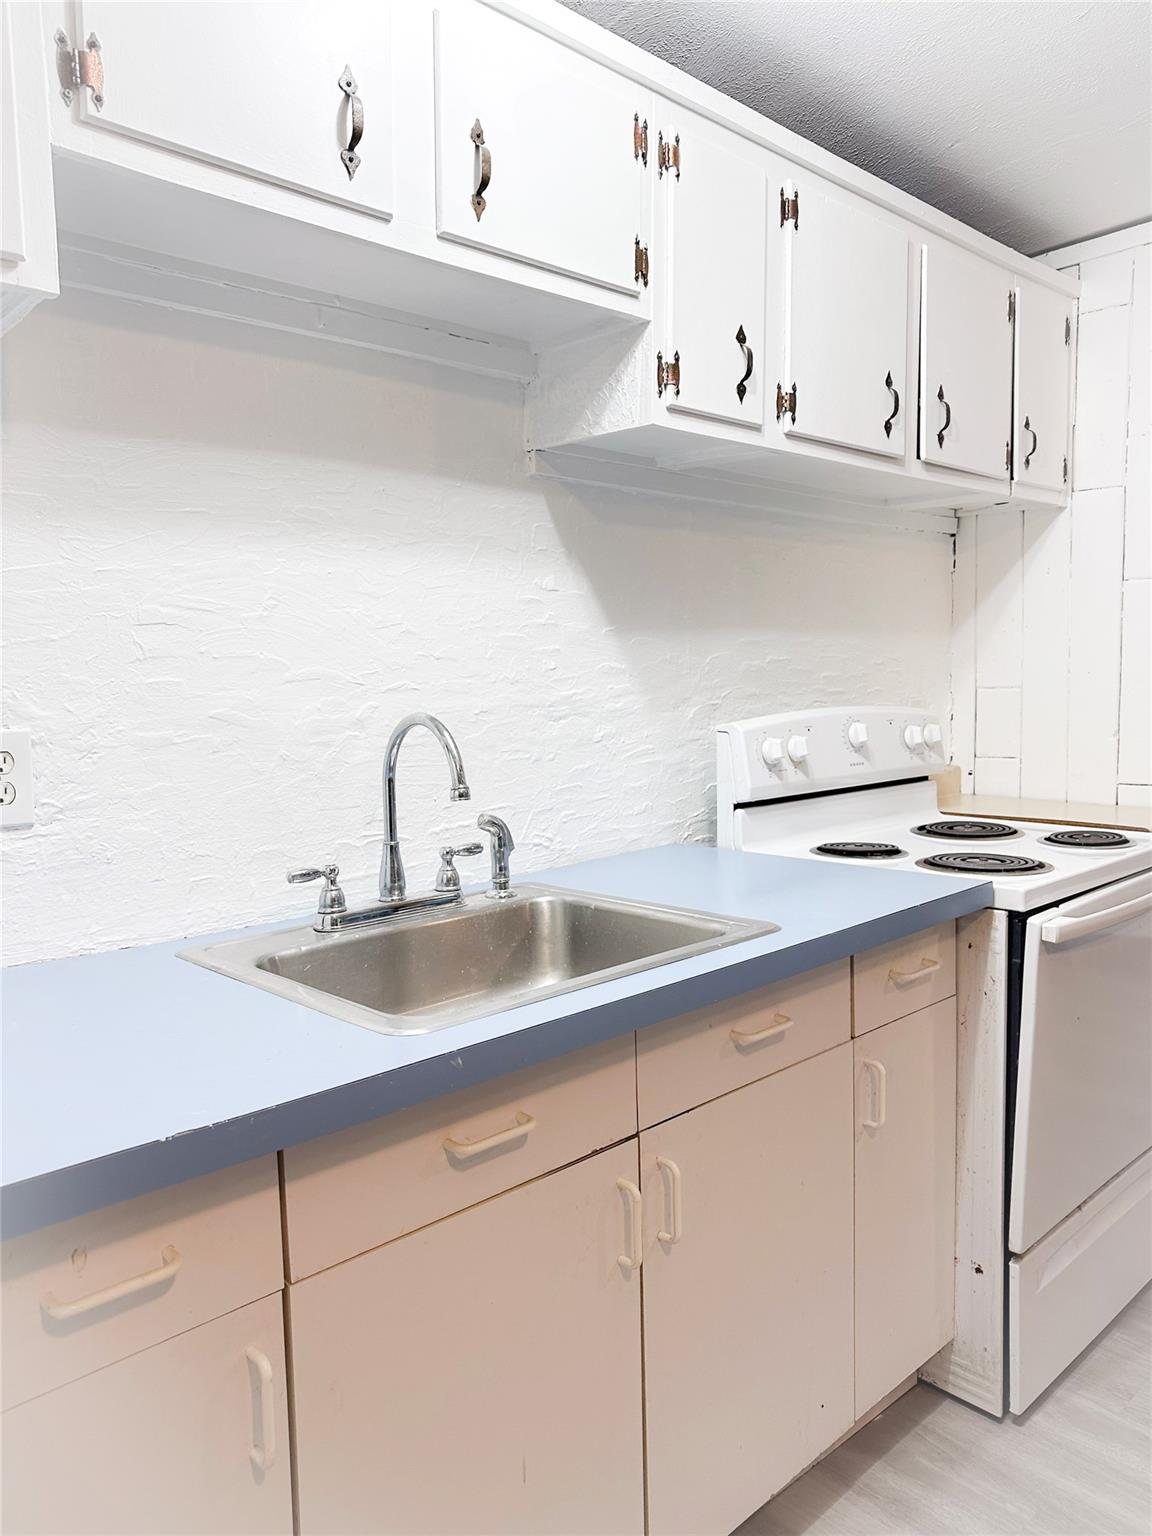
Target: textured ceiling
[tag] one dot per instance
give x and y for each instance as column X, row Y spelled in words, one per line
column 1028, row 119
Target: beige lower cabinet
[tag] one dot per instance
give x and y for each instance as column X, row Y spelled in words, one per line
column 747, row 1293
column 482, row 1374
column 905, row 1196
column 186, row 1438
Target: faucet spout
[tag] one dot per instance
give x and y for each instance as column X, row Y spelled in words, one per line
column 392, row 882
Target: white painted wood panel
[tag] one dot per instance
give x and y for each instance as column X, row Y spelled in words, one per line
column 1094, row 643
column 28, row 263
column 905, row 1197
column 481, row 1375
column 566, row 190
column 1041, row 416
column 962, row 736
column 1046, row 559
column 966, row 356
column 1140, row 345
column 192, row 1251
column 699, row 1056
column 252, row 88
column 997, row 776
column 188, row 1438
column 355, row 1189
column 999, row 633
column 899, row 978
column 1136, row 685
column 13, row 235
column 720, row 194
column 1138, row 509
column 1101, row 400
column 846, row 320
column 748, row 1315
column 998, row 722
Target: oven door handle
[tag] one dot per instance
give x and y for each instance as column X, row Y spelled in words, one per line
column 1058, row 930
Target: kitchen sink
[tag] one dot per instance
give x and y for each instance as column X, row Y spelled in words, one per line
column 424, row 971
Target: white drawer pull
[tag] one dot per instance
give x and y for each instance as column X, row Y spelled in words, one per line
column 780, row 1022
column 170, row 1262
column 880, row 1071
column 925, row 968
column 463, row 1150
column 675, row 1229
column 633, row 1258
column 263, row 1455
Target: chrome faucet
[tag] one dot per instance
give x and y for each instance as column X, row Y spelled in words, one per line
column 392, row 882
column 502, row 846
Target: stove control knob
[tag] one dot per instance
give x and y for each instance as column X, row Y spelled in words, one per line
column 772, row 751
column 797, row 748
column 933, row 735
column 858, row 735
column 913, row 738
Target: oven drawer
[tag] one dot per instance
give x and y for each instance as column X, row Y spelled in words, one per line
column 902, row 977
column 699, row 1056
column 82, row 1294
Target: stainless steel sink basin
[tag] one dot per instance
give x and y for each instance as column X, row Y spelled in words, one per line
column 424, row 971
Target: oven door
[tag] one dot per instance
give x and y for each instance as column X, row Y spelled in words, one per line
column 1084, row 1079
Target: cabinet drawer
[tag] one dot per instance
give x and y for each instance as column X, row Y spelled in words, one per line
column 692, row 1059
column 356, row 1189
column 81, row 1294
column 899, row 978
column 188, row 1438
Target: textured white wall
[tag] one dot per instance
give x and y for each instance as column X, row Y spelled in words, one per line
column 234, row 560
column 1051, row 672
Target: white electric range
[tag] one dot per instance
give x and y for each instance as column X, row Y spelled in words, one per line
column 1054, row 985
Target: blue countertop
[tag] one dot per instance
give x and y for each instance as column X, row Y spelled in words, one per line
column 134, row 1069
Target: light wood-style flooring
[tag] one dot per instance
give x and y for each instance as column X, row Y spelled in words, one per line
column 1079, row 1463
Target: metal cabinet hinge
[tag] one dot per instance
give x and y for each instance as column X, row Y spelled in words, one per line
column 668, row 374
column 1008, row 457
column 640, row 270
column 78, row 68
column 1067, row 330
column 1065, row 470
column 786, row 402
column 789, row 209
column 640, row 139
column 667, row 155
column 1012, row 304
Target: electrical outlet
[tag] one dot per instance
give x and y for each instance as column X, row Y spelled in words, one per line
column 16, row 804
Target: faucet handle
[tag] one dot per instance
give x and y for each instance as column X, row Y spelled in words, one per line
column 332, row 899
column 448, row 877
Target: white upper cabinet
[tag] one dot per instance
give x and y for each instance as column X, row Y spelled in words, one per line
column 27, row 216
column 275, row 91
column 965, row 361
column 1041, row 413
column 714, row 194
column 846, row 319
column 539, row 151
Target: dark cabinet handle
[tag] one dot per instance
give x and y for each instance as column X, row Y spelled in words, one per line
column 742, row 386
column 947, row 417
column 484, row 174
column 895, row 404
column 349, row 157
column 1028, row 427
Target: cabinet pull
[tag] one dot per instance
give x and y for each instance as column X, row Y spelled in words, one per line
column 888, row 384
column 483, row 172
column 742, row 343
column 463, row 1150
column 880, row 1075
column 947, row 417
column 780, row 1023
column 263, row 1456
column 925, row 968
column 675, row 1228
column 348, row 157
column 1028, row 427
column 634, row 1257
column 61, row 1311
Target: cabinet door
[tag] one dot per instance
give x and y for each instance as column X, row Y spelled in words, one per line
column 252, row 87
column 747, row 1293
column 189, row 1437
column 716, row 210
column 905, row 1197
column 846, row 320
column 482, row 1374
column 965, row 361
column 1041, row 409
column 552, row 135
column 27, row 214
